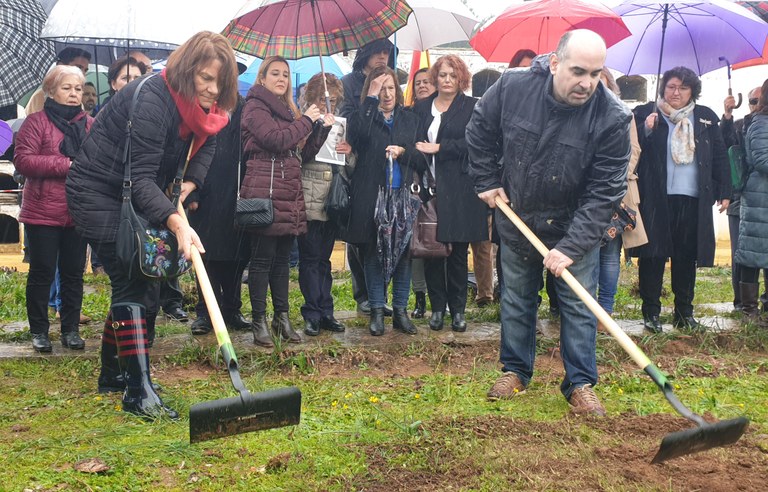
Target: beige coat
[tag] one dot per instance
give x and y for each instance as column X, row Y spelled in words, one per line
column 316, row 183
column 637, row 237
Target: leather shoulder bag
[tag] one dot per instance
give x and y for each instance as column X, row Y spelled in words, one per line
column 144, row 249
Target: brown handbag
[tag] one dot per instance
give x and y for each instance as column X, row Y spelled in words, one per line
column 424, row 243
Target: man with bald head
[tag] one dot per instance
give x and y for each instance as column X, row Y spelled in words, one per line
column 563, row 139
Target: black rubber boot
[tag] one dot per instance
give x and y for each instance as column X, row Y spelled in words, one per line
column 376, row 324
column 420, row 309
column 281, row 326
column 111, row 377
column 140, row 397
column 260, row 331
column 401, row 322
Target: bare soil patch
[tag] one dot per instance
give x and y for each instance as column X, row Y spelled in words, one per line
column 542, row 456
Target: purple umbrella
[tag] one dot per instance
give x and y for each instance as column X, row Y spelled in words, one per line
column 6, row 136
column 684, row 33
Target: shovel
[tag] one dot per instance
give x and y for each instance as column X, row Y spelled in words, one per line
column 246, row 412
column 705, row 435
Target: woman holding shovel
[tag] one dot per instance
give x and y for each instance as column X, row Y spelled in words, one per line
column 186, row 105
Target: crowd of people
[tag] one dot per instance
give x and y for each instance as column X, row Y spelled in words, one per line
column 550, row 137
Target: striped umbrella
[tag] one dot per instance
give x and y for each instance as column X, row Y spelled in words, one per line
column 24, row 57
column 297, row 29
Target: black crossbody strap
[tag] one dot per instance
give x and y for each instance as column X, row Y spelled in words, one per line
column 127, row 150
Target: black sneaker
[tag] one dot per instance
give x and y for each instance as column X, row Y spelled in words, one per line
column 652, row 324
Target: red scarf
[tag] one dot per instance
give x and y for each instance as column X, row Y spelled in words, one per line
column 194, row 119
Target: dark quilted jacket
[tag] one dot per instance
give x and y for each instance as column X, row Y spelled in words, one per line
column 753, row 226
column 270, row 130
column 564, row 166
column 95, row 181
column 38, row 158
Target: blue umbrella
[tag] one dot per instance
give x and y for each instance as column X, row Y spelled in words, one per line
column 301, row 70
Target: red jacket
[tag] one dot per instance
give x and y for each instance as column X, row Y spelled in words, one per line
column 38, row 158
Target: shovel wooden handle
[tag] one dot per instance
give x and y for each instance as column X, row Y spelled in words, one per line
column 214, row 313
column 613, row 328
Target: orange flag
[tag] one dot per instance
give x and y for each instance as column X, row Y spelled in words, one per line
column 420, row 60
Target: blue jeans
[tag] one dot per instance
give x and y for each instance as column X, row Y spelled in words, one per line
column 608, row 274
column 578, row 326
column 374, row 279
column 54, row 297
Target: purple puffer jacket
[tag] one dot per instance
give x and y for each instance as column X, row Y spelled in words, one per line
column 270, row 130
column 38, row 158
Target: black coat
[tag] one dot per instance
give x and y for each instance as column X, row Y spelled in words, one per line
column 353, row 83
column 95, row 181
column 462, row 216
column 215, row 215
column 564, row 168
column 369, row 135
column 714, row 182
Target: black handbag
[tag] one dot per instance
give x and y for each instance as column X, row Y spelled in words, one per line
column 144, row 249
column 337, row 202
column 254, row 213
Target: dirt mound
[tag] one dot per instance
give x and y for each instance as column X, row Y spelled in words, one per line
column 557, row 455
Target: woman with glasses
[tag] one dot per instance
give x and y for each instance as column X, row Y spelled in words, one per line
column 683, row 171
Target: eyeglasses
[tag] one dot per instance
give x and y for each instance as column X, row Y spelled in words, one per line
column 753, row 101
column 677, row 88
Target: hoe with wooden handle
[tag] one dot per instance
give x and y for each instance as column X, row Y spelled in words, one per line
column 702, row 437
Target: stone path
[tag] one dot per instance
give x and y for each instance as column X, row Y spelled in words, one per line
column 355, row 336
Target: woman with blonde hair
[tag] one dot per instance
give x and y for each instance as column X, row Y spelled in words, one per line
column 274, row 132
column 46, row 144
column 175, row 114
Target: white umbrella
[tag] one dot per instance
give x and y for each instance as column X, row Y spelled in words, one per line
column 139, row 24
column 435, row 22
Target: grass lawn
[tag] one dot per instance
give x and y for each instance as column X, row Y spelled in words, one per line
column 408, row 417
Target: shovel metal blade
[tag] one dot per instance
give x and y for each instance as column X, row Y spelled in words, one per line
column 247, row 412
column 701, row 438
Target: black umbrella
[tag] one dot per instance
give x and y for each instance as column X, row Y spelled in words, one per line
column 395, row 214
column 24, row 57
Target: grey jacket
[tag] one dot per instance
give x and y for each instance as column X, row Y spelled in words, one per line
column 752, row 250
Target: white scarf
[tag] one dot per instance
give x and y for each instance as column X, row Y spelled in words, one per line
column 683, row 140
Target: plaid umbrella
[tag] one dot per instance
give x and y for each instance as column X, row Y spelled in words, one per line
column 24, row 57
column 297, row 29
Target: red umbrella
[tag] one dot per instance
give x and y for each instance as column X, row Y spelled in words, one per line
column 763, row 60
column 761, row 10
column 539, row 25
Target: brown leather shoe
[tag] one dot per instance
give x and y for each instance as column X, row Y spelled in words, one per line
column 584, row 401
column 84, row 319
column 506, row 387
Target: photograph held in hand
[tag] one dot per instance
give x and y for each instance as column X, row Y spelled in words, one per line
column 328, row 153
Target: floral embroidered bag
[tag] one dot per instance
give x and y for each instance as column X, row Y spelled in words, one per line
column 145, row 249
